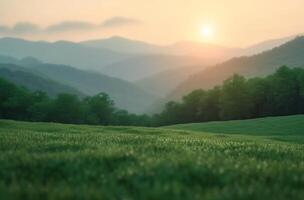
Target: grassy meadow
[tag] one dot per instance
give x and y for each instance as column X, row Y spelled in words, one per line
column 251, row 159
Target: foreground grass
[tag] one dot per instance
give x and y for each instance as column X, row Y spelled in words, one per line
column 53, row 161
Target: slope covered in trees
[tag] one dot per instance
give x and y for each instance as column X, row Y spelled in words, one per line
column 22, row 77
column 281, row 93
column 290, row 54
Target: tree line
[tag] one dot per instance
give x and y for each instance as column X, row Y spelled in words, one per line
column 281, row 93
column 18, row 103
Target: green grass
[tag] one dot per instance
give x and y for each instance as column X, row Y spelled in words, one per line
column 54, row 161
column 287, row 125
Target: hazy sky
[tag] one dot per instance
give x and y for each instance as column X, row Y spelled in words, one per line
column 231, row 22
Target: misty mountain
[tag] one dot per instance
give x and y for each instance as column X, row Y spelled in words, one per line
column 22, row 77
column 145, row 64
column 162, row 83
column 136, row 68
column 266, row 45
column 61, row 52
column 290, row 54
column 126, row 95
column 118, row 64
column 183, row 48
column 121, row 44
column 149, row 59
column 123, row 58
column 166, row 81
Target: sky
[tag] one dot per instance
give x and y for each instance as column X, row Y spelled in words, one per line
column 234, row 23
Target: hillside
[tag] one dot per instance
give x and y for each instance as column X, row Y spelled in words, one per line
column 162, row 83
column 22, row 77
column 125, row 94
column 290, row 54
column 68, row 161
column 139, row 67
column 270, row 126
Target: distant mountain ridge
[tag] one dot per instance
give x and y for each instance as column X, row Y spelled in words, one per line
column 210, row 53
column 60, row 52
column 182, row 48
column 140, row 67
column 102, row 60
column 121, row 44
column 267, row 45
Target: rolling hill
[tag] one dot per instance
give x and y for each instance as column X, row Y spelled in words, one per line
column 269, row 126
column 22, row 77
column 126, row 95
column 290, row 54
column 140, row 67
column 162, row 83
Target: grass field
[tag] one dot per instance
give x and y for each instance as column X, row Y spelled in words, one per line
column 291, row 128
column 254, row 159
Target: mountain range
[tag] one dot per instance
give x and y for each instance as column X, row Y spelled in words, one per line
column 137, row 74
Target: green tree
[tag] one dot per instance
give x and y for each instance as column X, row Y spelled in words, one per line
column 100, row 109
column 286, row 91
column 7, row 90
column 208, row 109
column 234, row 100
column 66, row 108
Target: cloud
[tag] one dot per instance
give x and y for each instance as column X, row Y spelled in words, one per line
column 70, row 26
column 119, row 21
column 22, row 28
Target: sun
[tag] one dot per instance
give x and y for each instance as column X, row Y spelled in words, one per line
column 206, row 32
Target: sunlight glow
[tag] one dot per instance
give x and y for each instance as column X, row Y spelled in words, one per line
column 207, row 32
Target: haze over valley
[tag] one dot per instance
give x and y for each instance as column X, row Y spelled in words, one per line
column 140, row 75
